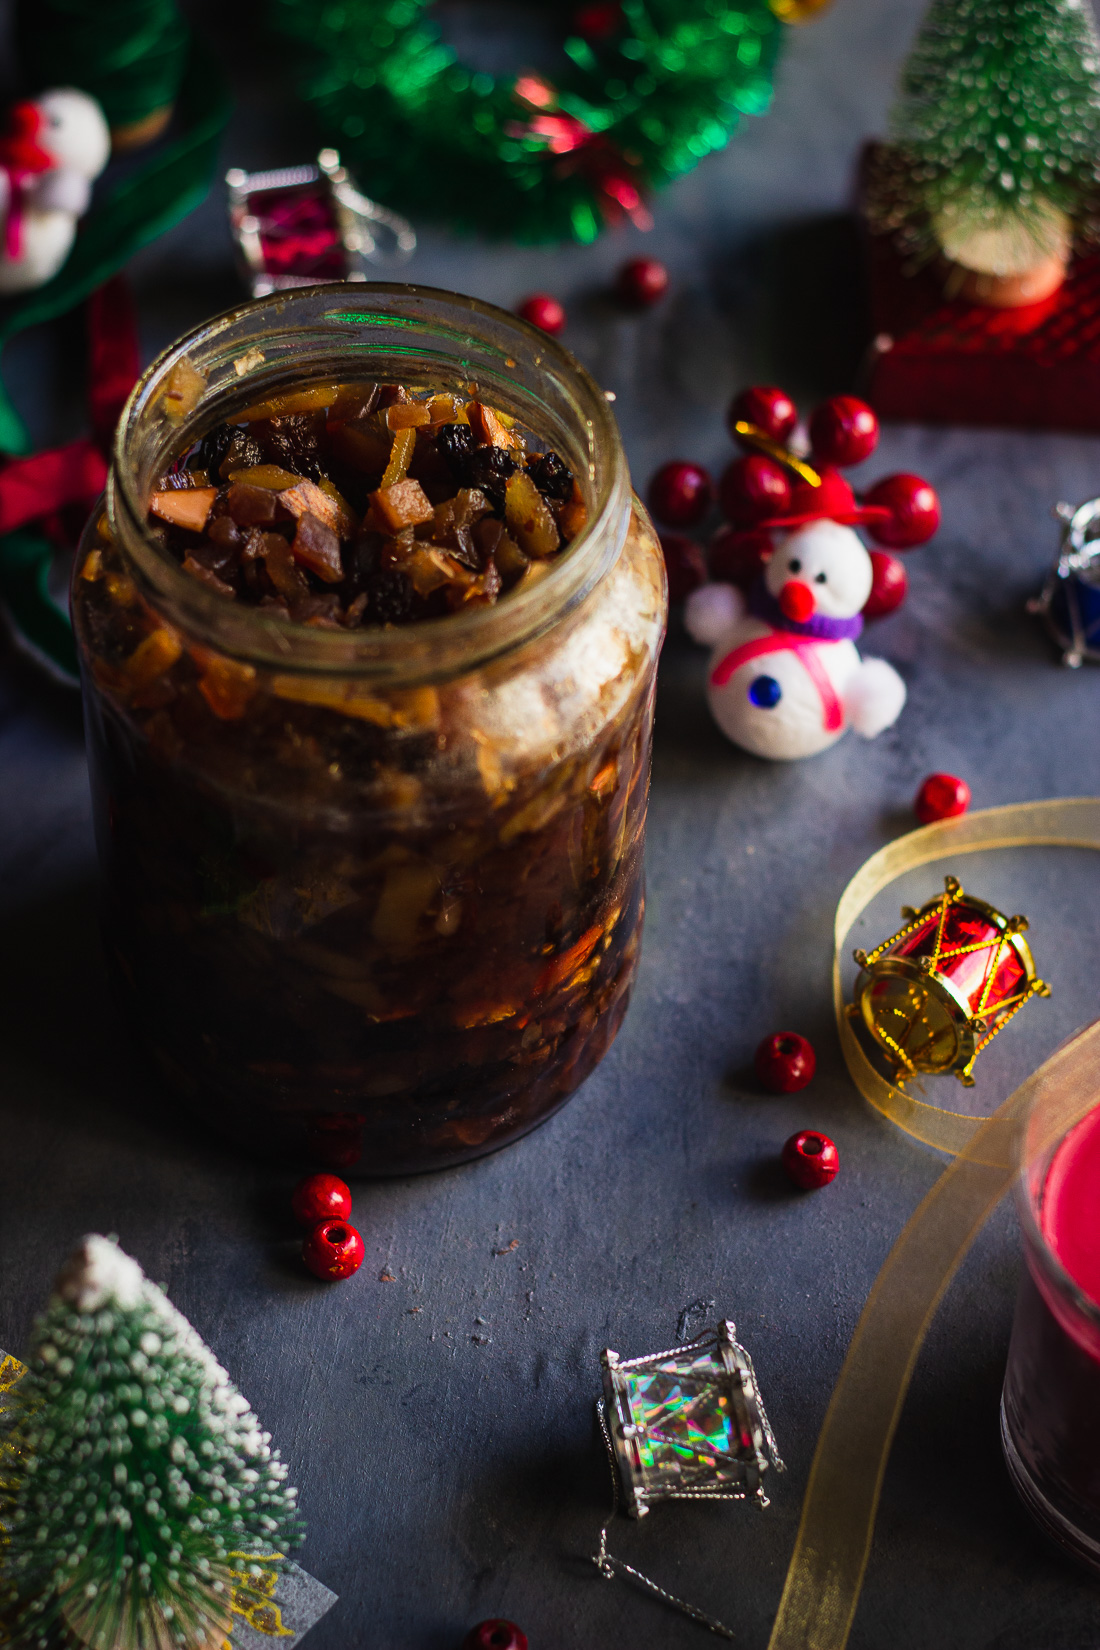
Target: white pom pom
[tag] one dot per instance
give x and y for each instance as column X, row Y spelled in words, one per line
column 711, row 610
column 874, row 698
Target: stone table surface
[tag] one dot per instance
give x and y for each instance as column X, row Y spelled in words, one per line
column 440, row 1425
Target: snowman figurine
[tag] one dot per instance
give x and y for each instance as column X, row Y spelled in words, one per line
column 786, row 679
column 52, row 149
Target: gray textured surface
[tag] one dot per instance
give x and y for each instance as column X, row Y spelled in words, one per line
column 440, row 1425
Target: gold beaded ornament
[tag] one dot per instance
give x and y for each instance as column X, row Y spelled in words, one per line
column 937, row 992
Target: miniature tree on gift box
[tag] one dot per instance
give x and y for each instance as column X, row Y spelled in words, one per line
column 135, row 1473
column 996, row 141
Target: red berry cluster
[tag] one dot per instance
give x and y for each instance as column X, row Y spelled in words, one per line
column 332, row 1247
column 760, row 490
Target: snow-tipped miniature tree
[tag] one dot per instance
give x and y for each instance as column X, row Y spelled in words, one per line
column 138, row 1469
column 998, row 128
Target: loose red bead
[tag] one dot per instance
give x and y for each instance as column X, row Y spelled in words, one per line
column 914, row 511
column 495, row 1635
column 942, row 796
column 681, row 494
column 785, row 1062
column 752, row 489
column 320, row 1197
column 333, row 1250
column 810, row 1159
column 889, row 585
column 542, row 311
column 739, row 556
column 684, row 565
column 843, row 430
column 641, row 282
column 770, row 409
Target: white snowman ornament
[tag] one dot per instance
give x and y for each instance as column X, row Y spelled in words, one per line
column 790, row 688
column 786, row 679
column 53, row 148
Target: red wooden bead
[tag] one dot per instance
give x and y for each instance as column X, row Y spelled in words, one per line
column 843, row 430
column 914, row 511
column 889, row 585
column 333, row 1250
column 739, row 556
column 942, row 796
column 495, row 1635
column 680, row 494
column 641, row 282
column 320, row 1197
column 810, row 1159
column 752, row 489
column 770, row 409
column 785, row 1062
column 684, row 565
column 542, row 311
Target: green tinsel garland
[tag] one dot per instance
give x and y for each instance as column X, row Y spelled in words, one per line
column 515, row 156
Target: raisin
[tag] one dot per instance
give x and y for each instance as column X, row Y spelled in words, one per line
column 291, row 441
column 211, row 450
column 553, row 479
column 243, row 453
column 392, row 598
column 489, row 468
column 455, row 443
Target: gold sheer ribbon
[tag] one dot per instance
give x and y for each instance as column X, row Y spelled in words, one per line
column 838, row 1513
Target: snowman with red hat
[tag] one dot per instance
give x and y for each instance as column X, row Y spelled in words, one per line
column 786, row 678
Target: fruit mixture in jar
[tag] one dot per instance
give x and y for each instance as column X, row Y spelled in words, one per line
column 367, row 505
column 373, row 925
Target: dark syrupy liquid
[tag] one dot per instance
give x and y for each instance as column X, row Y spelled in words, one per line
column 1051, row 1406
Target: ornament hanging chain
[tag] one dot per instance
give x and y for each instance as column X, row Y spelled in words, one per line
column 609, row 1566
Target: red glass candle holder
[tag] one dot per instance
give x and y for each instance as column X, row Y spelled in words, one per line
column 1050, row 1409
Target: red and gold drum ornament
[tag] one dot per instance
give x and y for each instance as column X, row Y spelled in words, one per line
column 939, row 990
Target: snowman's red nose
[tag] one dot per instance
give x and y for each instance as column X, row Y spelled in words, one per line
column 797, row 601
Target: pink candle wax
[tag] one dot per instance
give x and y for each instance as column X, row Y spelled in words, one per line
column 1051, row 1411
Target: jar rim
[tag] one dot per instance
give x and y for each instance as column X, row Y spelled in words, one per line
column 490, row 345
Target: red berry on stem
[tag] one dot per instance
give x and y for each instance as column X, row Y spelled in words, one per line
column 810, row 1159
column 753, row 489
column 320, row 1197
column 684, row 564
column 333, row 1250
column 843, row 430
column 785, row 1062
column 495, row 1635
column 542, row 311
column 770, row 409
column 641, row 282
column 739, row 556
column 914, row 511
column 942, row 796
column 680, row 494
column 889, row 585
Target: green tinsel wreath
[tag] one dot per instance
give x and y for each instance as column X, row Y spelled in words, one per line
column 652, row 86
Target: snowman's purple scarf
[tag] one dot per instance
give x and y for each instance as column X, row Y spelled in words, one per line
column 763, row 605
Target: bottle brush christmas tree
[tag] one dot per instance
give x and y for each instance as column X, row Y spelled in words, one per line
column 135, row 1473
column 996, row 141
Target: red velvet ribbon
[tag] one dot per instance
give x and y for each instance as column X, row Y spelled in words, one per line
column 40, row 486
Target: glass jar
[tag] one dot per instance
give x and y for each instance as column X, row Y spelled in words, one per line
column 373, row 897
column 1050, row 1409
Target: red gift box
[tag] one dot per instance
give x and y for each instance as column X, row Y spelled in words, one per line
column 935, row 360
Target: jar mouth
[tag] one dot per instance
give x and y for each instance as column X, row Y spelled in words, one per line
column 392, row 332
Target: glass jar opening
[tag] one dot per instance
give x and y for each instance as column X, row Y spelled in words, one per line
column 389, row 333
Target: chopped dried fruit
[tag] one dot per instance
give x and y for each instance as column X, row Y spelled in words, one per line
column 526, row 513
column 402, row 504
column 364, row 505
column 182, row 390
column 187, row 508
